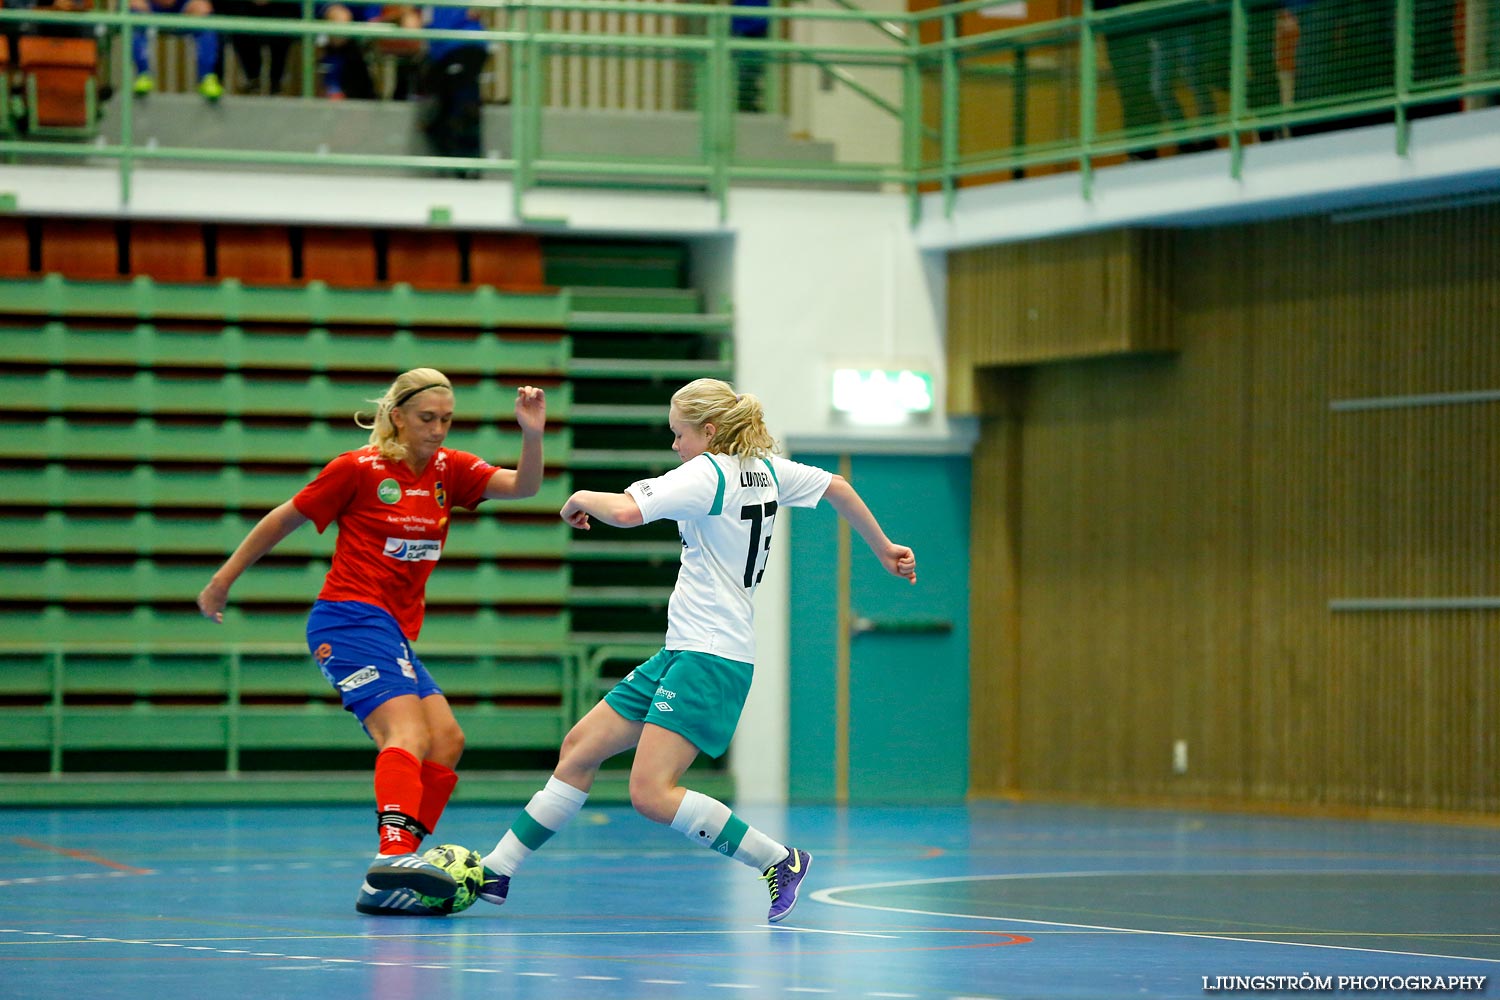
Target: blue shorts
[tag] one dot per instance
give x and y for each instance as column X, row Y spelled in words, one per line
column 364, row 655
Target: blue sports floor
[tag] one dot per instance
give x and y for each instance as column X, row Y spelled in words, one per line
column 993, row 900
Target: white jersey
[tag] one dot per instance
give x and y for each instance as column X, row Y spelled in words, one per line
column 725, row 509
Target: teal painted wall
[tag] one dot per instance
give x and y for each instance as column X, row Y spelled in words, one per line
column 909, row 693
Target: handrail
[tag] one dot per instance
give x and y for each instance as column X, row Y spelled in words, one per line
column 884, row 26
column 934, row 146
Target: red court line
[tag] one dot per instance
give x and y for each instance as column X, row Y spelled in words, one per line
column 82, row 856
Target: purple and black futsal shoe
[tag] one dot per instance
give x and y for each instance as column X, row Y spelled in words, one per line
column 783, row 878
column 495, row 887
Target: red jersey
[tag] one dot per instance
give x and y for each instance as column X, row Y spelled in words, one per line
column 392, row 524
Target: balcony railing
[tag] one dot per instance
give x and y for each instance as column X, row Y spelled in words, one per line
column 943, row 105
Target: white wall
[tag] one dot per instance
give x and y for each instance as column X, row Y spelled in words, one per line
column 859, row 130
column 821, row 281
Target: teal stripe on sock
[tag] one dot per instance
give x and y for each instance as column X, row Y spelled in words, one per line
column 531, row 833
column 729, row 838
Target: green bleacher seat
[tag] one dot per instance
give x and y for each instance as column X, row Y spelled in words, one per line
column 230, row 488
column 314, row 349
column 232, row 394
column 231, row 441
column 59, row 580
column 179, row 628
column 63, row 532
column 314, row 303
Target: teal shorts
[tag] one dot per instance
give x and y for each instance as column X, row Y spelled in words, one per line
column 698, row 696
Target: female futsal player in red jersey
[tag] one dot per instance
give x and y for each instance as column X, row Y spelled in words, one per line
column 392, row 500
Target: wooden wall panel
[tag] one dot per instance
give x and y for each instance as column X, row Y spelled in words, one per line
column 994, row 728
column 1187, row 524
column 1051, row 300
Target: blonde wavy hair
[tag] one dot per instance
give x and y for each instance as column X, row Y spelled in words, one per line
column 384, row 434
column 739, row 419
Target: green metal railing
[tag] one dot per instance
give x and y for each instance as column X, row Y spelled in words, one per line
column 971, row 104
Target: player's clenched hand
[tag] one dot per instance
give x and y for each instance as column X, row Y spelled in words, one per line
column 211, row 601
column 899, row 560
column 575, row 515
column 531, row 408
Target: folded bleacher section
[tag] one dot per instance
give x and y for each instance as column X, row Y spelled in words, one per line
column 165, row 384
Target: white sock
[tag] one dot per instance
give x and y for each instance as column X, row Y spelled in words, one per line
column 707, row 821
column 548, row 812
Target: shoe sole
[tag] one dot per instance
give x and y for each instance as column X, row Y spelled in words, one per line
column 391, row 911
column 375, row 903
column 437, row 884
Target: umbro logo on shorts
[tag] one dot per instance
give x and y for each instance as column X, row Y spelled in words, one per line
column 662, row 706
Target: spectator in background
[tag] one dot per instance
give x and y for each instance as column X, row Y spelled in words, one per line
column 345, row 65
column 750, row 67
column 1129, row 51
column 1263, row 89
column 205, row 47
column 1176, row 56
column 1435, row 56
column 450, row 84
column 1346, row 50
column 248, row 48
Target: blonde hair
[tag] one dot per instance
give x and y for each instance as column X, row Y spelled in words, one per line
column 384, row 434
column 739, row 419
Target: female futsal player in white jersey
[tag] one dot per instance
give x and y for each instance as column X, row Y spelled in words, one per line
column 686, row 699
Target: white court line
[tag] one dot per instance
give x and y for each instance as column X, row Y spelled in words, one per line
column 826, row 896
column 756, row 929
column 820, row 930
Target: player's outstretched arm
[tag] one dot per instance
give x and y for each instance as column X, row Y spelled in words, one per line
column 526, row 478
column 617, row 509
column 898, row 560
column 264, row 537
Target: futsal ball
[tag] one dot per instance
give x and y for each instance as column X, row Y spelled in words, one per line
column 467, row 869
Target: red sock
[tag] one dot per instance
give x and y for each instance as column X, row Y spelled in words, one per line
column 398, row 797
column 437, row 789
